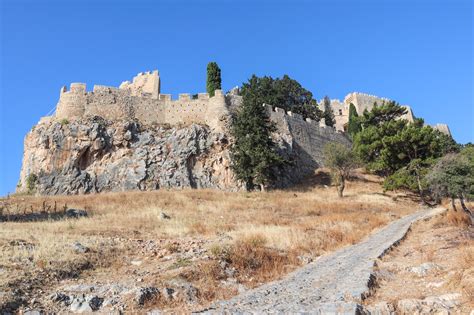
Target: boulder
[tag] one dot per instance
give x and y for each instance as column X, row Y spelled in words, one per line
column 79, row 248
column 86, row 304
column 146, row 294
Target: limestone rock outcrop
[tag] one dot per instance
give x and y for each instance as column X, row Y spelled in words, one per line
column 96, row 155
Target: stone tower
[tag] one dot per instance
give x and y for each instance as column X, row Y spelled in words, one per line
column 145, row 83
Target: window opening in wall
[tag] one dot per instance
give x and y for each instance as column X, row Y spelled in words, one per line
column 340, row 112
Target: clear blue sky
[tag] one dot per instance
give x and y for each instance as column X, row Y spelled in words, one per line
column 416, row 52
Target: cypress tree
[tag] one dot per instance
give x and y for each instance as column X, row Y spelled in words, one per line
column 353, row 126
column 328, row 115
column 213, row 81
column 253, row 153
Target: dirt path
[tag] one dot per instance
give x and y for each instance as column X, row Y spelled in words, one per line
column 333, row 283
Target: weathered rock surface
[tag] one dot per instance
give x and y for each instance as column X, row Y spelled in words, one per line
column 92, row 155
column 335, row 283
column 96, row 155
column 442, row 304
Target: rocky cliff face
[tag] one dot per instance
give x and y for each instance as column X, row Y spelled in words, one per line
column 96, row 155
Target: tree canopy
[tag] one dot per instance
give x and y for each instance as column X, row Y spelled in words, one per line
column 397, row 149
column 453, row 177
column 383, row 113
column 285, row 93
column 341, row 161
column 254, row 154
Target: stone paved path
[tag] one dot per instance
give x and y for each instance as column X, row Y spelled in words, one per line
column 333, row 284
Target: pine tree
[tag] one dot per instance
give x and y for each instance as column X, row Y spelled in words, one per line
column 353, row 126
column 328, row 115
column 214, row 81
column 254, row 155
column 287, row 94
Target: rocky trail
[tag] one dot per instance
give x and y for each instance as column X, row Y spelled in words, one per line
column 336, row 283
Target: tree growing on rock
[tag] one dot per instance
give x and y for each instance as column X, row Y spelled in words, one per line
column 214, row 80
column 341, row 161
column 254, row 155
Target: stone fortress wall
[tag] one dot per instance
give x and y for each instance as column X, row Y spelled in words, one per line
column 300, row 139
column 141, row 100
column 308, row 136
column 362, row 102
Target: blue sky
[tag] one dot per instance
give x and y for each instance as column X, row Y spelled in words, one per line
column 419, row 53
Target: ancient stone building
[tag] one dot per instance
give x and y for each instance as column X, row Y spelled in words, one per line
column 364, row 102
column 141, row 100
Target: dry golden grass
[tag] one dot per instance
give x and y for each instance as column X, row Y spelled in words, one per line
column 447, row 241
column 267, row 230
column 456, row 217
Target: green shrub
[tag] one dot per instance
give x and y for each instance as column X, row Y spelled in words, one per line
column 31, row 181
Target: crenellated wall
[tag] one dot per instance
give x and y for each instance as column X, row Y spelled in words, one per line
column 306, row 137
column 134, row 102
column 363, row 102
column 145, row 83
column 141, row 99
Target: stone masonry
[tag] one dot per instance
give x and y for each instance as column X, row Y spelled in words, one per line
column 364, row 102
column 141, row 100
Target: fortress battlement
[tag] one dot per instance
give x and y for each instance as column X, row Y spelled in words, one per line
column 280, row 116
column 362, row 102
column 141, row 100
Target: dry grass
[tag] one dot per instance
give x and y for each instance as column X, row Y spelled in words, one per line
column 447, row 241
column 463, row 277
column 456, row 217
column 266, row 231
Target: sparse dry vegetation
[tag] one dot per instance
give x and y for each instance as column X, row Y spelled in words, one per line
column 258, row 236
column 446, row 245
